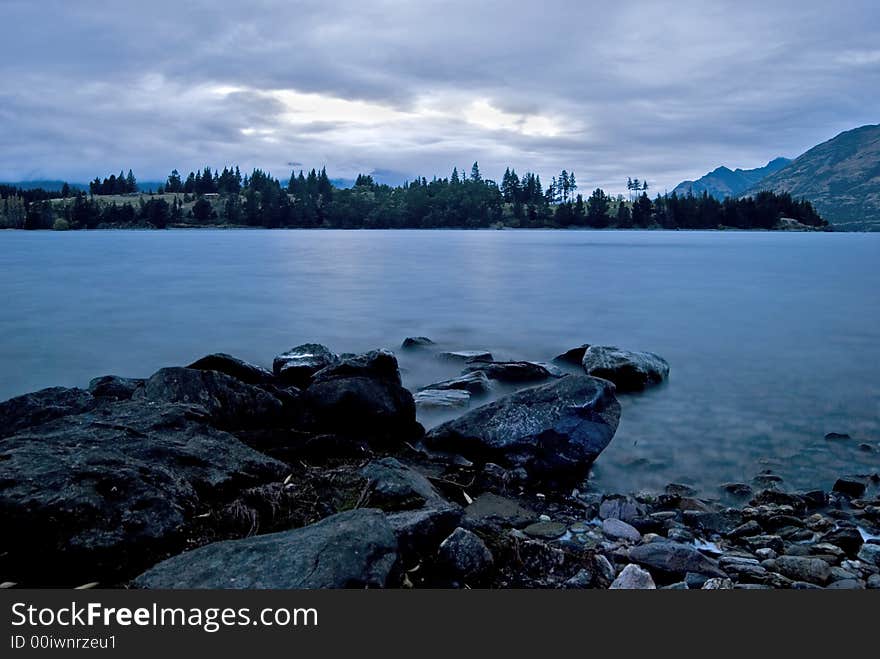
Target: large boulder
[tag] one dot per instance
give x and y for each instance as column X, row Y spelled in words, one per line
column 230, row 402
column 555, row 431
column 354, row 549
column 512, row 372
column 297, row 365
column 234, row 367
column 114, row 388
column 41, row 406
column 103, row 494
column 630, row 371
column 378, row 364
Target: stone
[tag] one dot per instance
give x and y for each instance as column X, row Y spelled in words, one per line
column 630, row 371
column 619, row 530
column 673, row 560
column 297, row 365
column 874, row 582
column 680, row 490
column 802, row 568
column 850, row 486
column 632, row 577
column 750, row 528
column 41, row 406
column 490, row 511
column 416, row 342
column 376, row 364
column 756, row 542
column 114, row 388
column 234, row 367
column 353, row 549
column 678, row 585
column 511, row 372
column 572, row 357
column 870, row 553
column 545, row 530
column 394, row 486
column 102, row 495
column 846, row 584
column 836, row 435
column 738, row 489
column 605, row 573
column 435, row 399
column 583, row 578
column 475, row 383
column 420, row 531
column 554, row 431
column 718, row 584
column 465, row 555
column 847, row 538
column 466, row 356
column 621, row 507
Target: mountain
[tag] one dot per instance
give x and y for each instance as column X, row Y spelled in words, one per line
column 841, row 177
column 725, row 182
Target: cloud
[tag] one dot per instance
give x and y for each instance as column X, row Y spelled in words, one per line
column 663, row 91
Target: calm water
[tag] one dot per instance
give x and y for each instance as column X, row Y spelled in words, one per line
column 773, row 339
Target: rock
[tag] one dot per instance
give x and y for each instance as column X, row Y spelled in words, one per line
column 573, row 357
column 605, row 573
column 767, row 480
column 490, row 511
column 105, row 493
column 847, row 538
column 867, row 448
column 113, row 387
column 620, row 507
column 846, row 584
column 554, row 431
column 376, row 364
column 41, row 406
column 750, row 528
column 737, row 489
column 465, row 555
column 297, row 365
column 466, row 356
column 850, row 486
column 630, row 371
column 802, row 568
column 546, row 530
column 678, row 585
column 230, row 402
column 420, row 531
column 442, row 400
column 837, row 435
column 756, row 542
column 680, row 490
column 632, row 577
column 874, row 582
column 234, row 367
column 583, row 578
column 354, row 549
column 511, row 372
column 771, row 497
column 870, row 554
column 673, row 560
column 475, row 383
column 718, row 584
column 394, row 486
column 416, row 342
column 619, row 530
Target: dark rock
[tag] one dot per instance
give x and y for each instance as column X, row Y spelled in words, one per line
column 465, row 555
column 105, row 493
column 492, row 512
column 673, row 560
column 756, row 542
column 230, row 402
column 695, row 581
column 846, row 584
column 678, row 585
column 815, row 499
column 803, row 568
column 680, row 490
column 511, row 372
column 619, row 530
column 376, row 364
column 630, row 371
column 416, row 342
column 632, row 577
column 870, row 554
column 767, row 480
column 573, row 357
column 394, row 486
column 864, row 447
column 738, row 489
column 777, row 498
column 354, row 549
column 850, row 486
column 605, row 572
column 622, row 507
column 465, row 356
column 114, row 388
column 750, row 528
column 554, row 431
column 41, row 406
column 837, row 435
column 583, row 578
column 475, row 383
column 546, row 530
column 234, row 367
column 297, row 365
column 419, row 532
column 437, row 399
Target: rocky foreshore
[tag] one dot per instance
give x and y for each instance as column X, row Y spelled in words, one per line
column 316, row 474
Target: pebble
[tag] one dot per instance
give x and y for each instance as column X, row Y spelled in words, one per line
column 546, row 530
column 620, row 530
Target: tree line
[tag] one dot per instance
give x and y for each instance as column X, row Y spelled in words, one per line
column 462, row 200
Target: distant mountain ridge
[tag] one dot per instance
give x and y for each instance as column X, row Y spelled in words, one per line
column 724, row 182
column 841, row 177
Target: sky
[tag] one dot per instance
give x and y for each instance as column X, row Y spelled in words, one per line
column 662, row 91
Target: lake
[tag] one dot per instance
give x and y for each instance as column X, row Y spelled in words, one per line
column 773, row 338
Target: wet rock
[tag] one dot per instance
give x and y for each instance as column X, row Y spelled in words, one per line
column 738, row 489
column 773, row 542
column 840, row 574
column 815, row 499
column 630, row 371
column 673, row 560
column 376, row 364
column 802, row 568
column 632, row 577
column 230, row 402
column 234, row 367
column 297, row 365
column 847, row 538
column 870, row 553
column 620, row 530
column 465, row 356
column 573, row 357
column 354, row 549
column 511, row 372
column 93, row 496
column 490, row 511
column 554, row 431
column 114, row 388
column 442, row 400
column 416, row 342
column 465, row 555
column 546, row 530
column 850, row 486
column 475, row 383
column 750, row 528
column 41, row 406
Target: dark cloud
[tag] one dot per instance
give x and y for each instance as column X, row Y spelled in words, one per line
column 663, row 91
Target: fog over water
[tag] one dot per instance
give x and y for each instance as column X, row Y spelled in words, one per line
column 773, row 339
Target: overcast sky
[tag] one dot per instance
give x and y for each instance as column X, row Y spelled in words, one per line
column 663, row 91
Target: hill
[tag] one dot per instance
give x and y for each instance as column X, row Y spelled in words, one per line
column 725, row 182
column 841, row 177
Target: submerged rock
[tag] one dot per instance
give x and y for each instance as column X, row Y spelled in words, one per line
column 354, row 549
column 41, row 406
column 630, row 371
column 416, row 342
column 466, row 356
column 297, row 365
column 554, row 431
column 234, row 367
column 114, row 388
